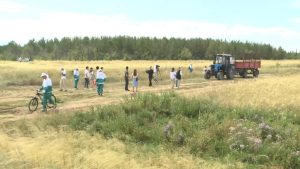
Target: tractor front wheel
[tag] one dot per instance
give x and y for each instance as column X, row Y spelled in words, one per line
column 220, row 75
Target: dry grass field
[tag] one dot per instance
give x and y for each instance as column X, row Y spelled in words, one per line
column 23, row 144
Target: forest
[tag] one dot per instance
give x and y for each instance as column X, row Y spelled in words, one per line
column 136, row 48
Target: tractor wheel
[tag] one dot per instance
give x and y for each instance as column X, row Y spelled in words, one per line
column 207, row 75
column 255, row 73
column 244, row 74
column 220, row 75
column 230, row 73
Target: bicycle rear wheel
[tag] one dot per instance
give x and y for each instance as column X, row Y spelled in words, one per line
column 51, row 105
column 33, row 104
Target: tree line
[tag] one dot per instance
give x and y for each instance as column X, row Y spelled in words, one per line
column 135, row 48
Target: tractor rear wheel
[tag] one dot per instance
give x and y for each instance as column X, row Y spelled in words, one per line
column 207, row 75
column 230, row 73
column 220, row 75
column 244, row 74
column 255, row 73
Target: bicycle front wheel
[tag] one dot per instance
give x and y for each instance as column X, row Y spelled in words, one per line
column 33, row 104
column 49, row 105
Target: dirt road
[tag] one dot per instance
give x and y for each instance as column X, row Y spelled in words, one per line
column 14, row 100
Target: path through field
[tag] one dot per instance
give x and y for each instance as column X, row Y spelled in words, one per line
column 14, row 100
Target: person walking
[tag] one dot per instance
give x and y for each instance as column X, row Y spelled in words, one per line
column 86, row 78
column 63, row 80
column 135, row 83
column 172, row 76
column 150, row 73
column 101, row 78
column 178, row 77
column 92, row 78
column 47, row 91
column 126, row 79
column 76, row 78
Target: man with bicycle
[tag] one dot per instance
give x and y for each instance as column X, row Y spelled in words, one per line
column 47, row 91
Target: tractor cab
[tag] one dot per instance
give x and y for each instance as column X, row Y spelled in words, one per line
column 223, row 65
column 223, row 61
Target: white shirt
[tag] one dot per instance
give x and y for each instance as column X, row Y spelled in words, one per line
column 47, row 82
column 101, row 75
column 191, row 66
column 86, row 74
column 154, row 70
column 76, row 73
column 64, row 73
column 173, row 75
column 204, row 70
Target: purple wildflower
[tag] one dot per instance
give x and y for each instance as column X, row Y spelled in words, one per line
column 257, row 142
column 278, row 137
column 269, row 137
column 262, row 126
column 232, row 129
column 268, row 127
column 242, row 147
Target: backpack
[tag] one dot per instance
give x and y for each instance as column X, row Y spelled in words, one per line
column 178, row 76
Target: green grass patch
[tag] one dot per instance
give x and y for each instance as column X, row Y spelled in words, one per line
column 201, row 127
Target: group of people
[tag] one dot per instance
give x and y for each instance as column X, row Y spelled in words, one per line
column 89, row 79
column 26, row 59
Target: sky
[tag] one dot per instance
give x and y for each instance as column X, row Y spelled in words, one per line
column 275, row 22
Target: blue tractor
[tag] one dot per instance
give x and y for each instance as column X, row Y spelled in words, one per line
column 223, row 65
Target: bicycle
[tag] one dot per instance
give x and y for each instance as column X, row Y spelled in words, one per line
column 33, row 104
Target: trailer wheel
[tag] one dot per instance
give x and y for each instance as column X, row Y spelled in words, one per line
column 244, row 74
column 255, row 73
column 220, row 75
column 216, row 76
column 230, row 73
column 207, row 75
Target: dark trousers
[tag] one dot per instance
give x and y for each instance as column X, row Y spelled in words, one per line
column 86, row 83
column 126, row 83
column 150, row 81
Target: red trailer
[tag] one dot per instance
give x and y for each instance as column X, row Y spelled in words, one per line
column 248, row 65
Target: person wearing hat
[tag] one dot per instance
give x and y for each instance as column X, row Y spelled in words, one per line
column 47, row 91
column 101, row 78
column 76, row 78
column 63, row 80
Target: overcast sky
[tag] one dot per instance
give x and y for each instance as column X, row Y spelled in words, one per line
column 276, row 22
